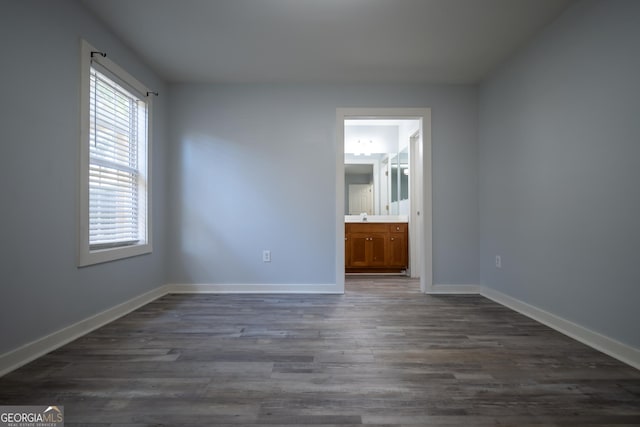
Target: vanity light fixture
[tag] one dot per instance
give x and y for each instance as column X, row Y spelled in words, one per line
column 360, row 147
column 366, row 148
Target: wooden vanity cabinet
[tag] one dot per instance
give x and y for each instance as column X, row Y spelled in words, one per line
column 376, row 247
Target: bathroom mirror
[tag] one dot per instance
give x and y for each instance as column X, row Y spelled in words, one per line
column 376, row 159
column 400, row 177
column 364, row 186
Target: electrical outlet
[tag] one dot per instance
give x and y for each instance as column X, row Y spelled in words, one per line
column 266, row 256
column 498, row 261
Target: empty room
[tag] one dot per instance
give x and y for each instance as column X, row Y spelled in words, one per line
column 320, row 212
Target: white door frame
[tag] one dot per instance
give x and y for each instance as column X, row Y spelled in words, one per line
column 424, row 116
column 415, row 203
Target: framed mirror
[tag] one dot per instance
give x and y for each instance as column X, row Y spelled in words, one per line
column 376, row 161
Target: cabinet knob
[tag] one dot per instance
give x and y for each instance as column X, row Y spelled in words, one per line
column 393, row 238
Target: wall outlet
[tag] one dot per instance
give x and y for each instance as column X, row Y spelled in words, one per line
column 498, row 261
column 266, row 256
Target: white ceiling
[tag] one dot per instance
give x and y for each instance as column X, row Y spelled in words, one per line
column 325, row 41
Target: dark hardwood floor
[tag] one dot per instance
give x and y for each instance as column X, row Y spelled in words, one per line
column 382, row 354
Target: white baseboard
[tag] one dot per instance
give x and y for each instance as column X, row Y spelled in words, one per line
column 453, row 289
column 206, row 288
column 609, row 346
column 22, row 355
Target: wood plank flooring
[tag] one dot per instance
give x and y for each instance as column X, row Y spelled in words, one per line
column 382, row 354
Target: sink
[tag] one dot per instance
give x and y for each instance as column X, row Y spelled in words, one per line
column 377, row 218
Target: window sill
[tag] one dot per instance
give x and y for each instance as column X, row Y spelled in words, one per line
column 90, row 257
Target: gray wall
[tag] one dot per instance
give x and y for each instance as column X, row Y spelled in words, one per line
column 42, row 290
column 560, row 170
column 253, row 168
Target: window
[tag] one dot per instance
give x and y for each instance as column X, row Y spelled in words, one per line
column 115, row 148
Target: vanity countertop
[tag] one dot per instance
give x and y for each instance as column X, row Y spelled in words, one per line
column 377, row 218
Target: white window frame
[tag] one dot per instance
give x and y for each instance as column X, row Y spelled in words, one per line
column 86, row 255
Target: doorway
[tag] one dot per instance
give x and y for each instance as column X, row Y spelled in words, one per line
column 414, row 183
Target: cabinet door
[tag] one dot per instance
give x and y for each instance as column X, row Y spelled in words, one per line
column 398, row 250
column 358, row 249
column 347, row 250
column 377, row 251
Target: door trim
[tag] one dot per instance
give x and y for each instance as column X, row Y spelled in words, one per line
column 422, row 114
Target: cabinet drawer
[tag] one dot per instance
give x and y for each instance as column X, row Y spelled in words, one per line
column 373, row 227
column 399, row 227
column 366, row 228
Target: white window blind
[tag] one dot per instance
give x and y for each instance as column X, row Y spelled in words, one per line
column 117, row 163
